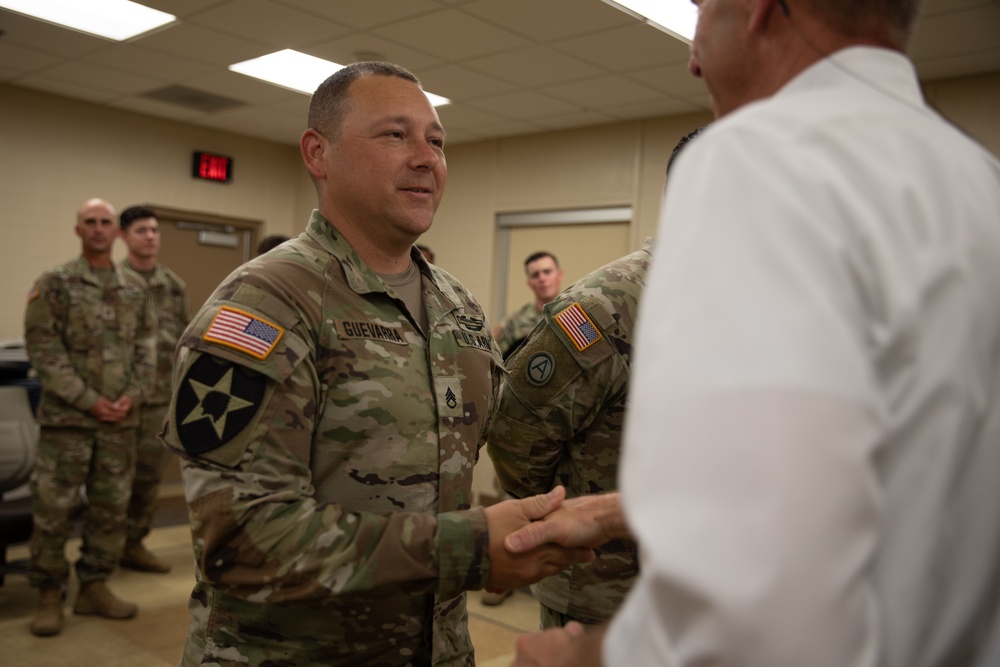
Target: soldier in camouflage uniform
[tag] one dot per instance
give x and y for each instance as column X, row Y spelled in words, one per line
column 90, row 334
column 544, row 277
column 560, row 422
column 330, row 401
column 141, row 233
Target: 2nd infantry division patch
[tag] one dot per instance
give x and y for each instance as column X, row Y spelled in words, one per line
column 215, row 401
column 578, row 326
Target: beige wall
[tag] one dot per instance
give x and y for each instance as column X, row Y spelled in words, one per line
column 56, row 152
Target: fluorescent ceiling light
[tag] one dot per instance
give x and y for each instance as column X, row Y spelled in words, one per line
column 114, row 19
column 299, row 71
column 675, row 17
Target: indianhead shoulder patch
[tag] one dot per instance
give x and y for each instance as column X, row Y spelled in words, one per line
column 242, row 331
column 578, row 326
column 216, row 400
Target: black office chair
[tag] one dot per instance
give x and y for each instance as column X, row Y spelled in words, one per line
column 18, row 442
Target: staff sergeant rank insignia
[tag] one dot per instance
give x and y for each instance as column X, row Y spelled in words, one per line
column 578, row 326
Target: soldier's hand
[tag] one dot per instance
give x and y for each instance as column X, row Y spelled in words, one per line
column 124, row 404
column 106, row 411
column 587, row 521
column 508, row 570
column 571, row 646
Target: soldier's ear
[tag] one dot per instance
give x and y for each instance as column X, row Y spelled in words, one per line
column 314, row 147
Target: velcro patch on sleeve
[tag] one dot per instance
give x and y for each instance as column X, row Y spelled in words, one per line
column 578, row 326
column 243, row 331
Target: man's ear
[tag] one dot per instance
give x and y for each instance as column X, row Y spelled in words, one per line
column 314, row 146
column 761, row 11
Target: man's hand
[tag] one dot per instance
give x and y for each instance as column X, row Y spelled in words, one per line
column 571, row 646
column 508, row 570
column 111, row 412
column 587, row 521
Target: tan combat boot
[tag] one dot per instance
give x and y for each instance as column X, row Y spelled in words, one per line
column 95, row 598
column 48, row 619
column 138, row 557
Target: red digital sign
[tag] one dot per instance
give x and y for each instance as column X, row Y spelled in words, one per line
column 212, row 167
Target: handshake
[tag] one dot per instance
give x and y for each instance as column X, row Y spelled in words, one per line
column 539, row 536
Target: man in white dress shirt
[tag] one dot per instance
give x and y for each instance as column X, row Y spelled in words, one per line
column 812, row 450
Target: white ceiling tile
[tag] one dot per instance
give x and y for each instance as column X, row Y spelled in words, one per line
column 968, row 31
column 19, row 60
column 493, row 58
column 460, row 84
column 523, row 106
column 638, row 46
column 203, row 45
column 162, row 66
column 346, row 50
column 602, row 92
column 367, row 14
column 451, row 35
column 67, row 89
column 550, row 20
column 100, row 78
column 269, row 23
column 534, row 66
column 671, row 79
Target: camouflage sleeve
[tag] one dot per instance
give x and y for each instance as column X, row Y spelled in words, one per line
column 549, row 397
column 259, row 533
column 144, row 353
column 44, row 320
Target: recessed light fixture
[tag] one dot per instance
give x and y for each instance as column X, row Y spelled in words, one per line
column 674, row 17
column 113, row 19
column 299, row 71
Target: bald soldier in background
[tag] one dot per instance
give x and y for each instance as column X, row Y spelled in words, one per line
column 89, row 330
column 330, row 403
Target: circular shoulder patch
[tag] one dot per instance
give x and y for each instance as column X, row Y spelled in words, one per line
column 216, row 400
column 540, row 368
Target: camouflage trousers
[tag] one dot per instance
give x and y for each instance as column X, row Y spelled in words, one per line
column 150, row 462
column 102, row 460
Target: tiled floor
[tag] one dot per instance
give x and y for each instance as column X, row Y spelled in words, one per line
column 155, row 637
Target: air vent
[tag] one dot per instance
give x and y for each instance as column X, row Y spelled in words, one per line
column 190, row 98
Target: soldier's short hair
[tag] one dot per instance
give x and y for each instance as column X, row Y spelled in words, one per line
column 133, row 213
column 535, row 256
column 330, row 103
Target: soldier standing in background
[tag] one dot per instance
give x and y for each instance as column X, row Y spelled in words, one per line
column 330, row 403
column 544, row 277
column 560, row 422
column 90, row 336
column 141, row 233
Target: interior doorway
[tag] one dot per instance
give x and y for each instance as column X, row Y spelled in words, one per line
column 203, row 249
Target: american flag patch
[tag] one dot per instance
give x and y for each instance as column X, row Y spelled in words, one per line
column 578, row 326
column 244, row 332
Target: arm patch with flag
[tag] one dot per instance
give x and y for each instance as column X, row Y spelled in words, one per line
column 578, row 326
column 244, row 332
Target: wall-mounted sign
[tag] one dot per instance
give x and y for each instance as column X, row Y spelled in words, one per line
column 212, row 167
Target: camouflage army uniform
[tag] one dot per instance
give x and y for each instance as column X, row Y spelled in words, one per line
column 560, row 421
column 515, row 328
column 85, row 339
column 329, row 449
column 169, row 296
